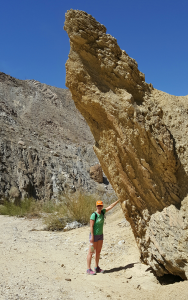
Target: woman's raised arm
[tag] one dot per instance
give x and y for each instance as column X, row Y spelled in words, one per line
column 111, row 205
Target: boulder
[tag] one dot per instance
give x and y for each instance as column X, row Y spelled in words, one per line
column 96, row 173
column 140, row 140
column 14, row 194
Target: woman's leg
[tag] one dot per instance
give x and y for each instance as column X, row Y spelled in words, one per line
column 98, row 251
column 90, row 254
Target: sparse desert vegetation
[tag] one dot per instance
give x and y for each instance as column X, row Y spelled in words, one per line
column 55, row 214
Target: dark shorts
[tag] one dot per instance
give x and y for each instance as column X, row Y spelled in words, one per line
column 97, row 237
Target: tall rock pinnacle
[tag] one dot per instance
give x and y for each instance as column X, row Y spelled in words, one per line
column 139, row 140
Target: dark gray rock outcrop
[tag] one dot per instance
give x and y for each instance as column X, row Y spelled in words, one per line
column 45, row 143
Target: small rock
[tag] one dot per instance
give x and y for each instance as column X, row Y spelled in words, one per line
column 128, row 276
column 124, row 223
column 121, row 242
column 21, row 143
column 72, row 225
column 56, row 154
column 62, row 265
column 67, row 279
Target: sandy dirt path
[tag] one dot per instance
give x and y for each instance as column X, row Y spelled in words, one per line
column 37, row 264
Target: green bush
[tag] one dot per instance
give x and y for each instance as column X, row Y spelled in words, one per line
column 27, row 207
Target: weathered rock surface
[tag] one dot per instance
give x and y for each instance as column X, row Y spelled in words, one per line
column 140, row 140
column 96, row 173
column 45, row 143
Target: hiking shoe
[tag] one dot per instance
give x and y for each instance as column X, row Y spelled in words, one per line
column 98, row 270
column 90, row 272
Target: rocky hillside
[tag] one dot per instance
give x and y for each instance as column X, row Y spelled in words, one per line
column 45, row 143
column 140, row 140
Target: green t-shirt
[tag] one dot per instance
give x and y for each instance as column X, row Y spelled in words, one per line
column 98, row 225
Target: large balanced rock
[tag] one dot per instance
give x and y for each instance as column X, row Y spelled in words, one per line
column 140, row 140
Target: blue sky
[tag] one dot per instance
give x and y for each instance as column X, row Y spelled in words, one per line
column 155, row 33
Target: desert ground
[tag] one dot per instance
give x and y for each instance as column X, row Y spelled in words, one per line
column 38, row 264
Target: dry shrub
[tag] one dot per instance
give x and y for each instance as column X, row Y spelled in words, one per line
column 54, row 223
column 50, row 207
column 72, row 207
column 80, row 206
column 57, row 219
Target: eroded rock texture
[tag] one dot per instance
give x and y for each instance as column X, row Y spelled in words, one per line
column 140, row 140
column 45, row 143
column 96, row 173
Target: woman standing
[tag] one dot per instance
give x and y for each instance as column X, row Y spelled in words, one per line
column 96, row 235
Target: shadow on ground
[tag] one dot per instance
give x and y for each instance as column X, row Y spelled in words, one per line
column 129, row 266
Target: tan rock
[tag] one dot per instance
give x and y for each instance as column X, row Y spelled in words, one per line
column 140, row 140
column 21, row 143
column 14, row 194
column 96, row 173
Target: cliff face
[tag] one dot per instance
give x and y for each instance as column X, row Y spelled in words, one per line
column 45, row 143
column 140, row 140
